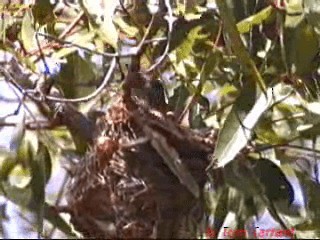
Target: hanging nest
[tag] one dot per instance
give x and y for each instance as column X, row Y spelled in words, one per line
column 142, row 178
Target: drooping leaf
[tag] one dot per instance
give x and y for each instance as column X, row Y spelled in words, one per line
column 257, row 19
column 27, row 157
column 238, row 126
column 220, row 212
column 42, row 11
column 235, row 134
column 22, row 197
column 312, row 12
column 301, row 40
column 39, row 171
column 28, row 31
column 172, row 160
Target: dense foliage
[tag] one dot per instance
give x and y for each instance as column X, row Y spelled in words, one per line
column 246, row 70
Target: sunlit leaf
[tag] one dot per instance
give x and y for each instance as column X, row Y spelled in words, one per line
column 313, row 107
column 126, row 28
column 238, row 126
column 309, row 131
column 185, row 49
column 266, row 133
column 7, row 165
column 83, row 39
column 264, row 15
column 101, row 19
column 235, row 133
column 28, row 31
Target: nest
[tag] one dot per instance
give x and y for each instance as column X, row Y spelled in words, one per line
column 125, row 188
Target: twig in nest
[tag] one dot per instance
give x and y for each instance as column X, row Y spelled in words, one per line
column 171, row 158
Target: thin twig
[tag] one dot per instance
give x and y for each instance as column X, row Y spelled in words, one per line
column 72, row 25
column 170, row 19
column 135, row 143
column 108, row 75
column 139, row 47
column 128, row 13
column 285, row 145
column 16, row 87
column 10, row 79
column 194, row 97
column 51, row 37
column 92, row 95
column 133, row 52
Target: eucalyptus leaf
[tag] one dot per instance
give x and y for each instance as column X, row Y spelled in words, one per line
column 301, row 48
column 312, row 11
column 100, row 14
column 38, row 183
column 185, row 49
column 82, row 39
column 247, row 24
column 28, row 31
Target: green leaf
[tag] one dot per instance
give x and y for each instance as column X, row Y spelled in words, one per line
column 126, row 28
column 7, row 165
column 82, row 39
column 185, row 49
column 301, row 47
column 28, row 31
column 235, row 133
column 312, row 12
column 43, row 155
column 43, row 11
column 310, row 131
column 179, row 98
column 220, row 210
column 5, row 22
column 249, row 67
column 265, row 15
column 267, row 134
column 100, row 18
column 38, row 183
column 310, row 127
column 56, row 220
column 22, row 197
column 240, row 176
column 238, row 126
